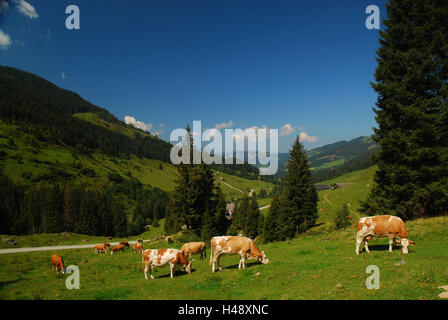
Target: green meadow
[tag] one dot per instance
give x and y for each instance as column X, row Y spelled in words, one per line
column 320, row 264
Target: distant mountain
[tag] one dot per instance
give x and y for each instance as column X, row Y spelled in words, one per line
column 337, row 158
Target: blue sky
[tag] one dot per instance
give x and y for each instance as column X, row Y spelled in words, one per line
column 301, row 65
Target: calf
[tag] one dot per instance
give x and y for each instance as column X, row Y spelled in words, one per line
column 382, row 226
column 191, row 248
column 137, row 247
column 57, row 263
column 101, row 248
column 230, row 245
column 117, row 248
column 152, row 258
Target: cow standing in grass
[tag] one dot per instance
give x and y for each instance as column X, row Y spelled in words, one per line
column 57, row 263
column 152, row 258
column 125, row 243
column 382, row 226
column 101, row 248
column 190, row 248
column 117, row 248
column 138, row 247
column 231, row 245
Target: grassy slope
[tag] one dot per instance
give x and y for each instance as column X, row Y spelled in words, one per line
column 319, row 265
column 310, row 267
column 331, row 200
column 31, row 157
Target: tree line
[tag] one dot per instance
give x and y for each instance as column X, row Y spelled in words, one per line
column 118, row 209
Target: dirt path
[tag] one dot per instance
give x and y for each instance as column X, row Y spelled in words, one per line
column 326, row 199
column 54, row 248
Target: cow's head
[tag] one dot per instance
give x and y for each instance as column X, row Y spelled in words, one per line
column 186, row 265
column 405, row 243
column 262, row 258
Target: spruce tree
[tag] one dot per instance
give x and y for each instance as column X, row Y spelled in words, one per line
column 411, row 81
column 194, row 200
column 299, row 196
column 271, row 230
column 251, row 228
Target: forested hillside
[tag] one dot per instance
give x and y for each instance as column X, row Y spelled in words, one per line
column 68, row 165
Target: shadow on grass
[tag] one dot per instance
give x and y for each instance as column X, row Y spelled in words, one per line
column 176, row 273
column 381, row 247
column 235, row 266
column 5, row 283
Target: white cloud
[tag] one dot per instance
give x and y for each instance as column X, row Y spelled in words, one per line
column 157, row 132
column 26, row 9
column 63, row 76
column 5, row 40
column 224, row 125
column 304, row 137
column 138, row 124
column 208, row 133
column 286, row 130
column 246, row 133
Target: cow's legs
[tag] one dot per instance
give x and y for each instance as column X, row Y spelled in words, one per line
column 152, row 271
column 213, row 261
column 146, row 271
column 391, row 242
column 366, row 246
column 243, row 259
column 359, row 239
column 171, row 269
column 217, row 260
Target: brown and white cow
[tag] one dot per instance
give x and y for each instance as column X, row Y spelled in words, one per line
column 125, row 243
column 138, row 247
column 101, row 248
column 152, row 258
column 382, row 226
column 230, row 245
column 117, row 248
column 57, row 263
column 191, row 248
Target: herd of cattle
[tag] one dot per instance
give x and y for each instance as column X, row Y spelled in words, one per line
column 382, row 226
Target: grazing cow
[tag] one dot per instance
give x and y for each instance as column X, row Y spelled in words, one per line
column 117, row 248
column 101, row 248
column 152, row 258
column 139, row 240
column 243, row 246
column 109, row 238
column 84, row 241
column 57, row 263
column 191, row 248
column 382, row 226
column 137, row 247
column 125, row 243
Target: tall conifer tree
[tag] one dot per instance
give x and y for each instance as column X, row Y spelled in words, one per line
column 299, row 196
column 411, row 81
